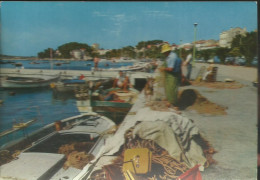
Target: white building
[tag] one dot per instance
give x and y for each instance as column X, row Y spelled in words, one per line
column 95, row 46
column 76, row 54
column 103, row 51
column 226, row 37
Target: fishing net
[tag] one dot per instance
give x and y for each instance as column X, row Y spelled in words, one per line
column 164, row 166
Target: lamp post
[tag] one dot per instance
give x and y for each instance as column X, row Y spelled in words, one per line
column 194, row 44
column 180, row 49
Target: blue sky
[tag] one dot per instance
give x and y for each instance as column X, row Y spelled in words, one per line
column 30, row 27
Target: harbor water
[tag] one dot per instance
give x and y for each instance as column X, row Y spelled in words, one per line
column 22, row 105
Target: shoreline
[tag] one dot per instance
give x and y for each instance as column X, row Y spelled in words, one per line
column 39, row 59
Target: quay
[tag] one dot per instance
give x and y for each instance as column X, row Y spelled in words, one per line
column 233, row 136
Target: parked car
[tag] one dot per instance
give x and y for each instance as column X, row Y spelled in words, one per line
column 216, row 59
column 240, row 61
column 255, row 61
column 229, row 60
column 200, row 60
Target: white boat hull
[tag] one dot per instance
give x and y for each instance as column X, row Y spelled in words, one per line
column 27, row 82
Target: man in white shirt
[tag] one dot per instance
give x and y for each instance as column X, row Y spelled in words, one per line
column 121, row 81
column 187, row 63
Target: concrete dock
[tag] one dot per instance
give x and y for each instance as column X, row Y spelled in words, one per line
column 234, row 135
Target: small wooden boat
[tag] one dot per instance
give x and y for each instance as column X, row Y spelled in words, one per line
column 110, row 100
column 58, row 150
column 27, row 81
column 68, row 85
column 72, row 85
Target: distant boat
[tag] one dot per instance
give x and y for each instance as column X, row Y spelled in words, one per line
column 18, row 64
column 27, row 81
column 34, row 62
column 58, row 64
column 136, row 67
column 60, row 149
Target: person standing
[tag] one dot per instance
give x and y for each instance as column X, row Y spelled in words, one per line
column 96, row 61
column 172, row 69
column 187, row 63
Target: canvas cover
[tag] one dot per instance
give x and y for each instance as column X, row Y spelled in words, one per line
column 169, row 130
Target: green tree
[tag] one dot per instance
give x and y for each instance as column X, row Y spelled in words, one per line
column 222, row 53
column 245, row 46
column 235, row 52
column 128, row 51
column 65, row 49
column 47, row 53
column 249, row 47
column 206, row 54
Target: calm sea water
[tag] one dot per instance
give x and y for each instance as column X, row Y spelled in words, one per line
column 43, row 104
column 62, row 65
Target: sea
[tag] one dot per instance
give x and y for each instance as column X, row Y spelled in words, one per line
column 22, row 105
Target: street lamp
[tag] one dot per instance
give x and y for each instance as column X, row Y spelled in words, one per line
column 180, row 49
column 194, row 44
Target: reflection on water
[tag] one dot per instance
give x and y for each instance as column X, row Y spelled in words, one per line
column 26, row 104
column 42, row 103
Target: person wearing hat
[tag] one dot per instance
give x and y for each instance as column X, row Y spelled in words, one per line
column 172, row 69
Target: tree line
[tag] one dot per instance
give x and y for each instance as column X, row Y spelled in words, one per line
column 245, row 46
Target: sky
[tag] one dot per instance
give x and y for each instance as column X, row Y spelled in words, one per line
column 30, row 27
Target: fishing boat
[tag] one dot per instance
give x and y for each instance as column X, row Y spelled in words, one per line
column 57, row 151
column 77, row 84
column 68, row 85
column 109, row 100
column 27, row 81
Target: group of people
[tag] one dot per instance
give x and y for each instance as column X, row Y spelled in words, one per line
column 173, row 72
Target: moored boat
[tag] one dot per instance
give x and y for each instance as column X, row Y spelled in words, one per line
column 68, row 85
column 58, row 150
column 27, row 81
column 113, row 100
column 72, row 85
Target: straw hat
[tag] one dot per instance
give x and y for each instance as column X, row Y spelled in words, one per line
column 166, row 48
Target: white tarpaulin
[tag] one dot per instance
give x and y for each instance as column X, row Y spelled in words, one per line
column 168, row 129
